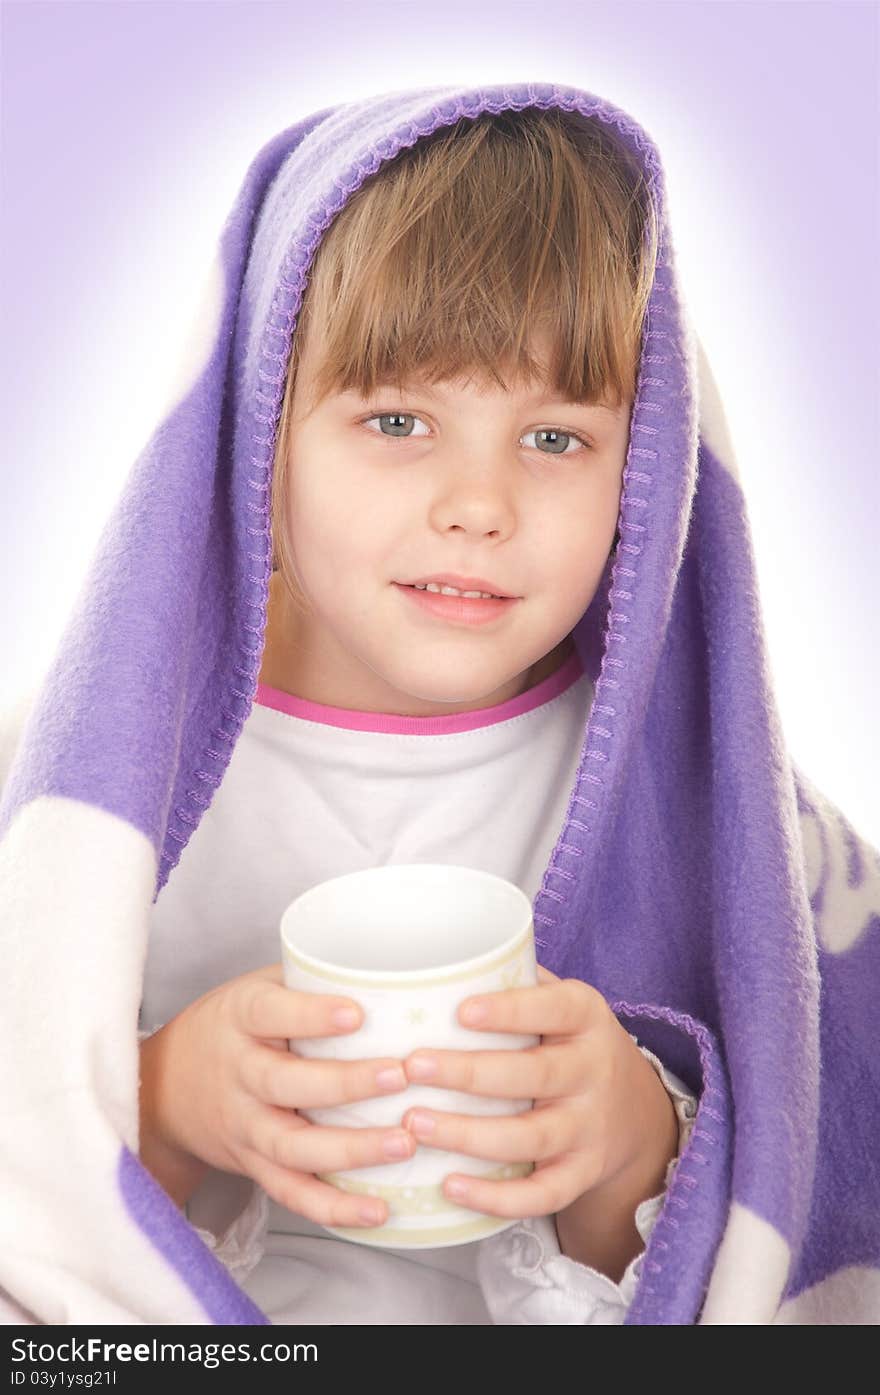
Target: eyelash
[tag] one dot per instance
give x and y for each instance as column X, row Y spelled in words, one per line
column 396, row 412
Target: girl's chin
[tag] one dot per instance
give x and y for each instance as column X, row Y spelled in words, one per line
column 428, row 701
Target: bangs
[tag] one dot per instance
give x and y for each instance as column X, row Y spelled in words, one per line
column 457, row 255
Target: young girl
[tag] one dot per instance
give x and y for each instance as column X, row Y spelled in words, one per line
column 440, row 557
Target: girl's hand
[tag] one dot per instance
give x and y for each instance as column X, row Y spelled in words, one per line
column 222, row 1087
column 600, row 1107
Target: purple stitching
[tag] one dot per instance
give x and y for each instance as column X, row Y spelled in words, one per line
column 569, row 876
column 285, row 304
column 706, row 1052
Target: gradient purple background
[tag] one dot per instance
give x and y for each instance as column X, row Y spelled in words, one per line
column 127, row 129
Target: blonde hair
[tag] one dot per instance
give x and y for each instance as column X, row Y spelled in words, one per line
column 448, row 258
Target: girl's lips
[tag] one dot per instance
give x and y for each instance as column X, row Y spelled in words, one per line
column 457, row 609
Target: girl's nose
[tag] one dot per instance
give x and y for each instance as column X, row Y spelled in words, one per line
column 477, row 500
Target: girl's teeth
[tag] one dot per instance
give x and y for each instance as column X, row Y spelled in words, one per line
column 452, row 591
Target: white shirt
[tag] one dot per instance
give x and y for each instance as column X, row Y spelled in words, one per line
column 312, row 792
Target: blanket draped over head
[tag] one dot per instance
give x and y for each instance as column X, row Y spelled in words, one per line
column 723, row 906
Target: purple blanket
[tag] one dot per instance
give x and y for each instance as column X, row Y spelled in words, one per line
column 728, row 912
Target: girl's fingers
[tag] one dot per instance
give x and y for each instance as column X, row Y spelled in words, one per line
column 531, row 1137
column 558, row 1007
column 262, row 1006
column 544, row 1192
column 549, row 1071
column 294, row 1082
column 310, row 1197
column 292, row 1143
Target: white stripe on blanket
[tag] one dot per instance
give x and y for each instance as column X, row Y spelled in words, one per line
column 70, row 1221
column 750, row 1271
column 850, row 1297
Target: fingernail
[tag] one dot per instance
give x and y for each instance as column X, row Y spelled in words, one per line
column 370, row 1215
column 421, row 1124
column 397, row 1145
column 422, row 1067
column 346, row 1017
column 475, row 1012
column 392, row 1078
column 455, row 1187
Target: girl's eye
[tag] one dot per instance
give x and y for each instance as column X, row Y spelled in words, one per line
column 397, row 422
column 557, row 442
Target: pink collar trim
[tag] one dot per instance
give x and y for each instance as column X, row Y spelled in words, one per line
column 391, row 723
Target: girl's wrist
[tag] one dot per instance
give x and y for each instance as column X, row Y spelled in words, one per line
column 177, row 1171
column 598, row 1228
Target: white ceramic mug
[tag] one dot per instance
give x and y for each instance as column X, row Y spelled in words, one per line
column 409, row 942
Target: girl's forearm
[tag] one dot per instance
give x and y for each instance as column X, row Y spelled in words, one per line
column 178, row 1172
column 598, row 1228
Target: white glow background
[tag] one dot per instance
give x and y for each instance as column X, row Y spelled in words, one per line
column 127, row 129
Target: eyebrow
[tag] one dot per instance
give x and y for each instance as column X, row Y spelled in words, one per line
column 535, row 399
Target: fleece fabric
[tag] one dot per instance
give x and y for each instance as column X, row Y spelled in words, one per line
column 292, row 812
column 727, row 911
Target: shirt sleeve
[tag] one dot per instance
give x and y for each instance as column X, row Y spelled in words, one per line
column 526, row 1278
column 242, row 1245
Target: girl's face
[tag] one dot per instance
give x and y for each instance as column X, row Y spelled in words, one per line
column 512, row 487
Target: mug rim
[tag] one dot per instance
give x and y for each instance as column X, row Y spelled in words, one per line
column 449, row 972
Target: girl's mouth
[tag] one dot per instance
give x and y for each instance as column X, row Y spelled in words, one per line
column 462, row 610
